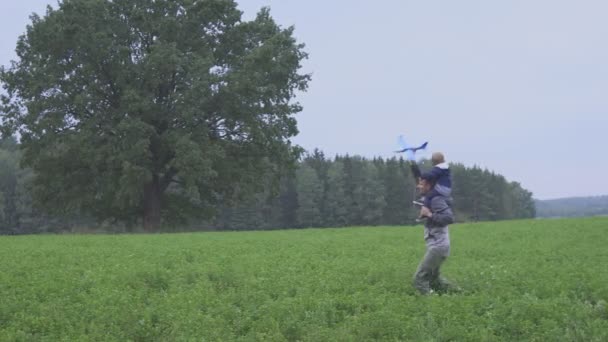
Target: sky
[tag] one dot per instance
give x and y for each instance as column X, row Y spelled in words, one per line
column 518, row 87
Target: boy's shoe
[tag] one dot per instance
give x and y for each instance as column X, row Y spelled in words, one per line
column 420, row 201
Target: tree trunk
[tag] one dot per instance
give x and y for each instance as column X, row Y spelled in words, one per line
column 152, row 205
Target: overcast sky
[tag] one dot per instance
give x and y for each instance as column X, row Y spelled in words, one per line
column 519, row 87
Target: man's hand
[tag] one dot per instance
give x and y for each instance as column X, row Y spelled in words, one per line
column 425, row 212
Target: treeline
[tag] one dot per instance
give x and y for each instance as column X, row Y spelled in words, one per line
column 322, row 192
column 573, row 207
column 354, row 191
column 17, row 212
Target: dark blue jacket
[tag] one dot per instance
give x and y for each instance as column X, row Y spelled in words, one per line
column 439, row 174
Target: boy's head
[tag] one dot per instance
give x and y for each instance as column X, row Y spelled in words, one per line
column 437, row 158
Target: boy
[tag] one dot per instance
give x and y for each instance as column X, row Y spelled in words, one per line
column 439, row 175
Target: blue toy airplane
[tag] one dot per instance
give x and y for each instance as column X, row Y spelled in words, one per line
column 413, row 149
column 406, row 147
column 409, row 151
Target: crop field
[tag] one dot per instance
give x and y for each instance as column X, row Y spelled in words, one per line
column 542, row 280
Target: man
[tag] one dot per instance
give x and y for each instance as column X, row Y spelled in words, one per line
column 427, row 278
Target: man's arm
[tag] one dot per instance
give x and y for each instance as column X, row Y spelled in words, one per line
column 441, row 213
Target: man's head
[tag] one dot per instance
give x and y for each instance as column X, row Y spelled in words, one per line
column 424, row 185
column 437, row 158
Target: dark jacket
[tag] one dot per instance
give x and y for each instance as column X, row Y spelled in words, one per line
column 436, row 228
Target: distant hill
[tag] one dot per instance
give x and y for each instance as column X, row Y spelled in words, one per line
column 572, row 207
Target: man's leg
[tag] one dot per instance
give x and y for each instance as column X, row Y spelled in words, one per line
column 440, row 283
column 425, row 274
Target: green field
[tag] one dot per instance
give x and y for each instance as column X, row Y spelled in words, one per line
column 544, row 280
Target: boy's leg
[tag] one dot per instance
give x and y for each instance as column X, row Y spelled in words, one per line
column 433, row 258
column 442, row 190
column 428, row 197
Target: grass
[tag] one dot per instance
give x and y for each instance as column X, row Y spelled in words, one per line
column 543, row 280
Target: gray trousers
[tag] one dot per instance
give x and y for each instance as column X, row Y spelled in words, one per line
column 427, row 276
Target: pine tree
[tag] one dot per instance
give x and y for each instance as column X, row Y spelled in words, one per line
column 310, row 193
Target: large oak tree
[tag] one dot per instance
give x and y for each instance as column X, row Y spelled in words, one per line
column 152, row 109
